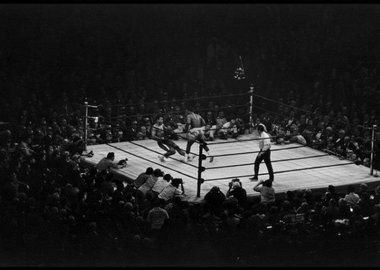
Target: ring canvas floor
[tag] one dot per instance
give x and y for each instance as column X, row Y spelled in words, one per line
column 295, row 167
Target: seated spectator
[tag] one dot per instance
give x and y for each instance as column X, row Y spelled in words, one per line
column 142, row 134
column 351, row 197
column 12, row 187
column 157, row 216
column 356, row 220
column 141, row 178
column 75, row 146
column 108, row 162
column 210, row 126
column 326, row 198
column 220, row 121
column 363, row 187
column 331, row 212
column 377, row 195
column 304, row 209
column 215, row 199
column 366, row 204
column 228, row 130
column 178, row 224
column 172, row 190
column 334, row 195
column 298, row 139
column 344, row 209
column 161, row 184
column 232, row 222
column 287, row 211
column 150, row 182
column 25, row 146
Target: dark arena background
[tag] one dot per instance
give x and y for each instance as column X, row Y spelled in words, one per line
column 81, row 81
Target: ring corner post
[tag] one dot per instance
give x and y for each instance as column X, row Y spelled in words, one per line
column 85, row 124
column 199, row 170
column 250, row 107
column 372, row 148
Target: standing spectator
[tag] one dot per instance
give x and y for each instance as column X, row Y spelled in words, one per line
column 267, row 192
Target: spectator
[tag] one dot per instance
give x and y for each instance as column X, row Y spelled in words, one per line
column 215, row 199
column 228, row 130
column 108, row 162
column 333, row 194
column 161, row 184
column 376, row 196
column 331, row 212
column 141, row 178
column 351, row 197
column 172, row 190
column 150, row 182
column 344, row 209
column 366, row 204
column 267, row 192
column 236, row 189
column 157, row 216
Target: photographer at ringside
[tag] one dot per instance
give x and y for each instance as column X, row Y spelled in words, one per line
column 109, row 162
column 236, row 189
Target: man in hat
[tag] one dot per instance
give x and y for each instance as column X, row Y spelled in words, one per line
column 264, row 154
column 161, row 134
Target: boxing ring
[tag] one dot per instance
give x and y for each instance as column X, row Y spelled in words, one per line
column 296, row 167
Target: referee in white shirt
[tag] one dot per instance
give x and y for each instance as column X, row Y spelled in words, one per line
column 264, row 153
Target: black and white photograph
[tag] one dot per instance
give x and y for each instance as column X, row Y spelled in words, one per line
column 189, row 135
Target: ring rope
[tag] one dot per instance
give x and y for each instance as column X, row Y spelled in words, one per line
column 302, row 169
column 266, row 110
column 181, row 111
column 186, row 99
column 243, row 140
column 170, row 101
column 255, row 152
column 184, row 132
column 256, row 95
column 160, row 153
column 279, row 160
column 150, row 161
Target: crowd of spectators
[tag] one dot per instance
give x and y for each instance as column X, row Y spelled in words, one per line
column 314, row 72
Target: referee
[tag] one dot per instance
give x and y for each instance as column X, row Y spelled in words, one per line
column 264, row 154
